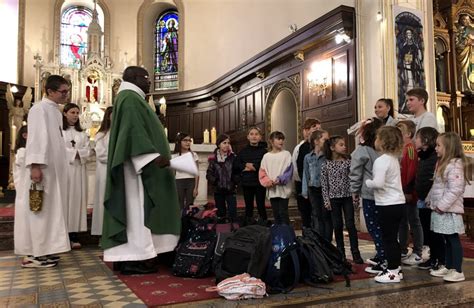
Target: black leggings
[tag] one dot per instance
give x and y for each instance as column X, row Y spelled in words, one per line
column 433, row 240
column 453, row 252
column 258, row 193
column 304, row 206
column 280, row 210
column 389, row 219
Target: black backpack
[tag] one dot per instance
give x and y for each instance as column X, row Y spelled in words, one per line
column 333, row 257
column 194, row 255
column 283, row 270
column 313, row 264
column 245, row 251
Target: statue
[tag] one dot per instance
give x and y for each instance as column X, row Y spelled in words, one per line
column 465, row 54
column 18, row 109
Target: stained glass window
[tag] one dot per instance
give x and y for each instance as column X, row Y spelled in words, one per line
column 166, row 51
column 74, row 23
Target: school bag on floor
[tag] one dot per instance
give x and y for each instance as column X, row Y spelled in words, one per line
column 245, row 251
column 283, row 269
column 194, row 255
column 333, row 257
column 239, row 287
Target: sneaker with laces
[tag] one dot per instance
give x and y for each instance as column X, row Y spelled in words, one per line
column 440, row 272
column 413, row 259
column 30, row 262
column 376, row 269
column 373, row 261
column 389, row 276
column 425, row 265
column 53, row 258
column 454, row 276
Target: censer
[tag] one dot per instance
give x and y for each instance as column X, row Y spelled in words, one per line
column 36, row 197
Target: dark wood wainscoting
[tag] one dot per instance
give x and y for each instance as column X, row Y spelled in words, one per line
column 245, row 96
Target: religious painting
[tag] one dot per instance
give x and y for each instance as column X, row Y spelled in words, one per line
column 166, row 55
column 75, row 21
column 410, row 52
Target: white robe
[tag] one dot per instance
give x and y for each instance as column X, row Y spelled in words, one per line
column 76, row 206
column 101, row 151
column 44, row 232
column 141, row 244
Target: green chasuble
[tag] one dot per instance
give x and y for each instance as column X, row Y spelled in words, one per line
column 136, row 130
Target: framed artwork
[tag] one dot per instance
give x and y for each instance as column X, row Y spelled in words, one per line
column 409, row 46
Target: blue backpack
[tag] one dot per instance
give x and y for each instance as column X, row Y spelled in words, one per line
column 283, row 270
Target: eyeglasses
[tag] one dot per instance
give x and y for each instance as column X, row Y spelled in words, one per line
column 186, row 140
column 63, row 92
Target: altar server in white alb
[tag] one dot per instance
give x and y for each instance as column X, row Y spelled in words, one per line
column 40, row 235
column 77, row 153
column 101, row 152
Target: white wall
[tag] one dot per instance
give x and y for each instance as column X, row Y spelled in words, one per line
column 9, row 50
column 219, row 34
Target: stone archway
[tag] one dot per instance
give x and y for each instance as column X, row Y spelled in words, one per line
column 283, row 112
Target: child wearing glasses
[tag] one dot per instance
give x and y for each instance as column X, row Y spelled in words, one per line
column 186, row 184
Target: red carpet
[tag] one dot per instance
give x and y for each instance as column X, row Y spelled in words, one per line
column 467, row 244
column 163, row 288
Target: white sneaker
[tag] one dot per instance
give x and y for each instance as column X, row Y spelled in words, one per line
column 413, row 259
column 389, row 276
column 425, row 253
column 454, row 276
column 440, row 272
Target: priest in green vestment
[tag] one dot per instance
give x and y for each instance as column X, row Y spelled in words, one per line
column 141, row 215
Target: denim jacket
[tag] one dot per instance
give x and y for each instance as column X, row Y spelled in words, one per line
column 312, row 171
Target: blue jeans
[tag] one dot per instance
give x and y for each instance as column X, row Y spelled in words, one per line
column 221, row 199
column 373, row 225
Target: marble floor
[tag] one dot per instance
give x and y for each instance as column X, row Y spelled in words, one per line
column 82, row 280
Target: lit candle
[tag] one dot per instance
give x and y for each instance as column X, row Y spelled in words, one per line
column 213, row 135
column 166, row 132
column 206, row 136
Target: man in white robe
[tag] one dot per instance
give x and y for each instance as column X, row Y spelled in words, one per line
column 141, row 215
column 40, row 235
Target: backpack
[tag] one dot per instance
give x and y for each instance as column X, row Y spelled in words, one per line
column 245, row 251
column 334, row 258
column 194, row 255
column 283, row 269
column 313, row 264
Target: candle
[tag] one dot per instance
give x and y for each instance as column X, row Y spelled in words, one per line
column 166, row 132
column 13, row 136
column 206, row 136
column 1, row 143
column 192, row 140
column 213, row 135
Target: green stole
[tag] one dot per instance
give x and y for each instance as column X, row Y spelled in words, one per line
column 136, row 130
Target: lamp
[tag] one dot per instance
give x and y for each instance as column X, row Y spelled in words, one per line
column 162, row 102
column 14, row 89
column 318, row 77
column 379, row 16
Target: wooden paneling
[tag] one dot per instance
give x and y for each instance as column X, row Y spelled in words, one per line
column 258, row 110
column 340, row 80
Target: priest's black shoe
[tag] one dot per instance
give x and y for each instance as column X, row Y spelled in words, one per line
column 136, row 268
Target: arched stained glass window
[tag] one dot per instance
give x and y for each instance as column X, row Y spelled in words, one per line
column 74, row 23
column 166, row 51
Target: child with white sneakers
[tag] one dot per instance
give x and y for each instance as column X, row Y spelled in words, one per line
column 446, row 201
column 389, row 198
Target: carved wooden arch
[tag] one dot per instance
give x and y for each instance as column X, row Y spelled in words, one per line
column 145, row 7
column 444, row 40
column 293, row 88
column 57, row 28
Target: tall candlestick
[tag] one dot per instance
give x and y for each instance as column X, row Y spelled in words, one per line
column 1, row 143
column 13, row 136
column 166, row 132
column 213, row 135
column 206, row 136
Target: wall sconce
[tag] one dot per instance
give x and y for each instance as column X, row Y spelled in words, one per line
column 342, row 36
column 379, row 16
column 318, row 77
column 14, row 89
column 162, row 102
